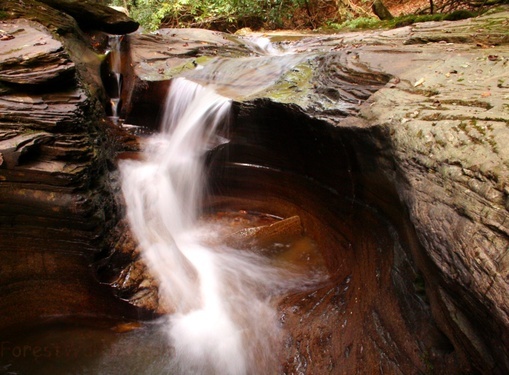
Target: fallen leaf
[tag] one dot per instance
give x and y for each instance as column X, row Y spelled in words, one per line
column 486, row 94
column 6, row 36
column 393, row 82
column 419, row 82
column 493, row 58
column 126, row 327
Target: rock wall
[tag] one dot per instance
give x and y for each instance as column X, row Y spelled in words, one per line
column 55, row 201
column 446, row 129
column 372, row 313
column 438, row 129
column 430, row 141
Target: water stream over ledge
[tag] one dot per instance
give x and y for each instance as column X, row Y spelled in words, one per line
column 222, row 321
column 329, row 299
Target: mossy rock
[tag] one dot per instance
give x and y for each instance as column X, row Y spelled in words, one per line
column 457, row 15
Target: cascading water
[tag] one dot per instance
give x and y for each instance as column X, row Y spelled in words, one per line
column 221, row 321
column 115, row 75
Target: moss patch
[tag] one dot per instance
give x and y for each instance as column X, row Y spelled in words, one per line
column 292, row 85
column 368, row 23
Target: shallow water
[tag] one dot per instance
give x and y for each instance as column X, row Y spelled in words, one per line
column 98, row 346
column 90, row 346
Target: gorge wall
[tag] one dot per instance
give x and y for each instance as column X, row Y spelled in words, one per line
column 413, row 122
column 55, row 202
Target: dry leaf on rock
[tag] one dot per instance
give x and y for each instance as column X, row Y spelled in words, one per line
column 419, row 82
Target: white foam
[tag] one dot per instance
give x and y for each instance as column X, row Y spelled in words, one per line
column 223, row 322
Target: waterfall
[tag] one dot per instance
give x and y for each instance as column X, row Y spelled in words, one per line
column 222, row 321
column 115, row 75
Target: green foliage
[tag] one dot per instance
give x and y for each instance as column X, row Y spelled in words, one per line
column 230, row 15
column 413, row 18
column 203, row 13
column 363, row 23
column 360, row 23
column 460, row 14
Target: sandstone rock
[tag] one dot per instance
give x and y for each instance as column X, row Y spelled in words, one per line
column 32, row 56
column 446, row 138
column 91, row 15
column 55, row 205
column 396, row 147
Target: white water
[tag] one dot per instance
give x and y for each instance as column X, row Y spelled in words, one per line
column 222, row 321
column 264, row 46
column 114, row 46
column 116, row 69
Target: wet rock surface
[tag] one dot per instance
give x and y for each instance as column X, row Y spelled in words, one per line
column 426, row 107
column 388, row 145
column 55, row 201
column 371, row 312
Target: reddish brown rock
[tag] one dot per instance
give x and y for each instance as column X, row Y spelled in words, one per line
column 32, row 56
column 92, row 15
column 56, row 206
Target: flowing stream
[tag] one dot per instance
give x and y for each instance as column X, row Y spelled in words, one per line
column 116, row 75
column 221, row 302
column 222, row 320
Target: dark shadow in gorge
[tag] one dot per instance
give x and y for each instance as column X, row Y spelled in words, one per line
column 372, row 314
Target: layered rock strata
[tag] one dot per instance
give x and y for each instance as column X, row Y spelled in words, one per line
column 55, row 201
column 424, row 111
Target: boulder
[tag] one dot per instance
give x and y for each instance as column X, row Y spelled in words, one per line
column 92, row 15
